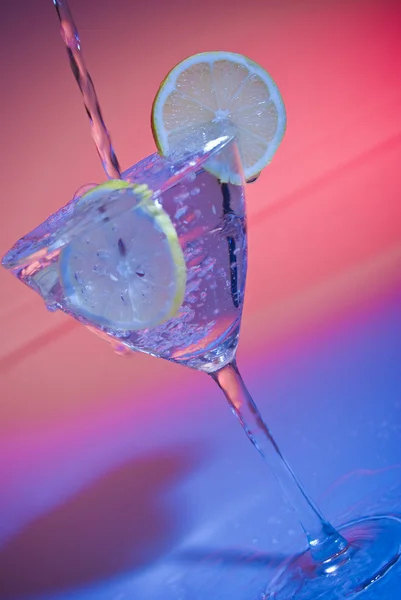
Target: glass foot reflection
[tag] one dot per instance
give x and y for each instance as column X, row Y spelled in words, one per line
column 374, row 547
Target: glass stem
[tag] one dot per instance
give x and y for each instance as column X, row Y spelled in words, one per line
column 324, row 541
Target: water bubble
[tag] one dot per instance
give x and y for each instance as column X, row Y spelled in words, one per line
column 181, row 212
column 195, row 191
column 193, row 285
column 122, row 335
column 99, row 270
column 190, row 177
column 186, row 314
column 207, row 265
column 156, row 168
column 181, row 197
column 51, row 307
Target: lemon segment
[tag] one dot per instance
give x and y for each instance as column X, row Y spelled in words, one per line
column 127, row 273
column 221, row 86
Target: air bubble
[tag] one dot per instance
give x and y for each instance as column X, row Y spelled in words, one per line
column 181, row 197
column 51, row 307
column 180, row 212
column 190, row 177
column 99, row 270
column 193, row 285
column 195, row 191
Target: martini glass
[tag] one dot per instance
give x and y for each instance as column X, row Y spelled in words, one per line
column 209, row 218
column 210, row 221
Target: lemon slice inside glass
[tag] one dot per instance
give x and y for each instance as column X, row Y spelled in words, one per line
column 127, row 272
column 221, row 86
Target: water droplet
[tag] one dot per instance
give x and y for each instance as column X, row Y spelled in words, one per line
column 121, row 349
column 193, row 285
column 84, row 189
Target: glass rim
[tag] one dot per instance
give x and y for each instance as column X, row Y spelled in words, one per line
column 173, row 169
column 183, row 161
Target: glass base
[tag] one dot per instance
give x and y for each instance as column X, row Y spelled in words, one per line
column 374, row 547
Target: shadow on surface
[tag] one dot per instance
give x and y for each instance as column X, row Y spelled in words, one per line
column 121, row 522
column 234, row 557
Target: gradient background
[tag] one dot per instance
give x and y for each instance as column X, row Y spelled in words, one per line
column 127, row 478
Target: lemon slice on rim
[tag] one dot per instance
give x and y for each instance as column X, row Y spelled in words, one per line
column 221, row 86
column 127, row 272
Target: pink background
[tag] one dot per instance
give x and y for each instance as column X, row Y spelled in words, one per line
column 324, row 218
